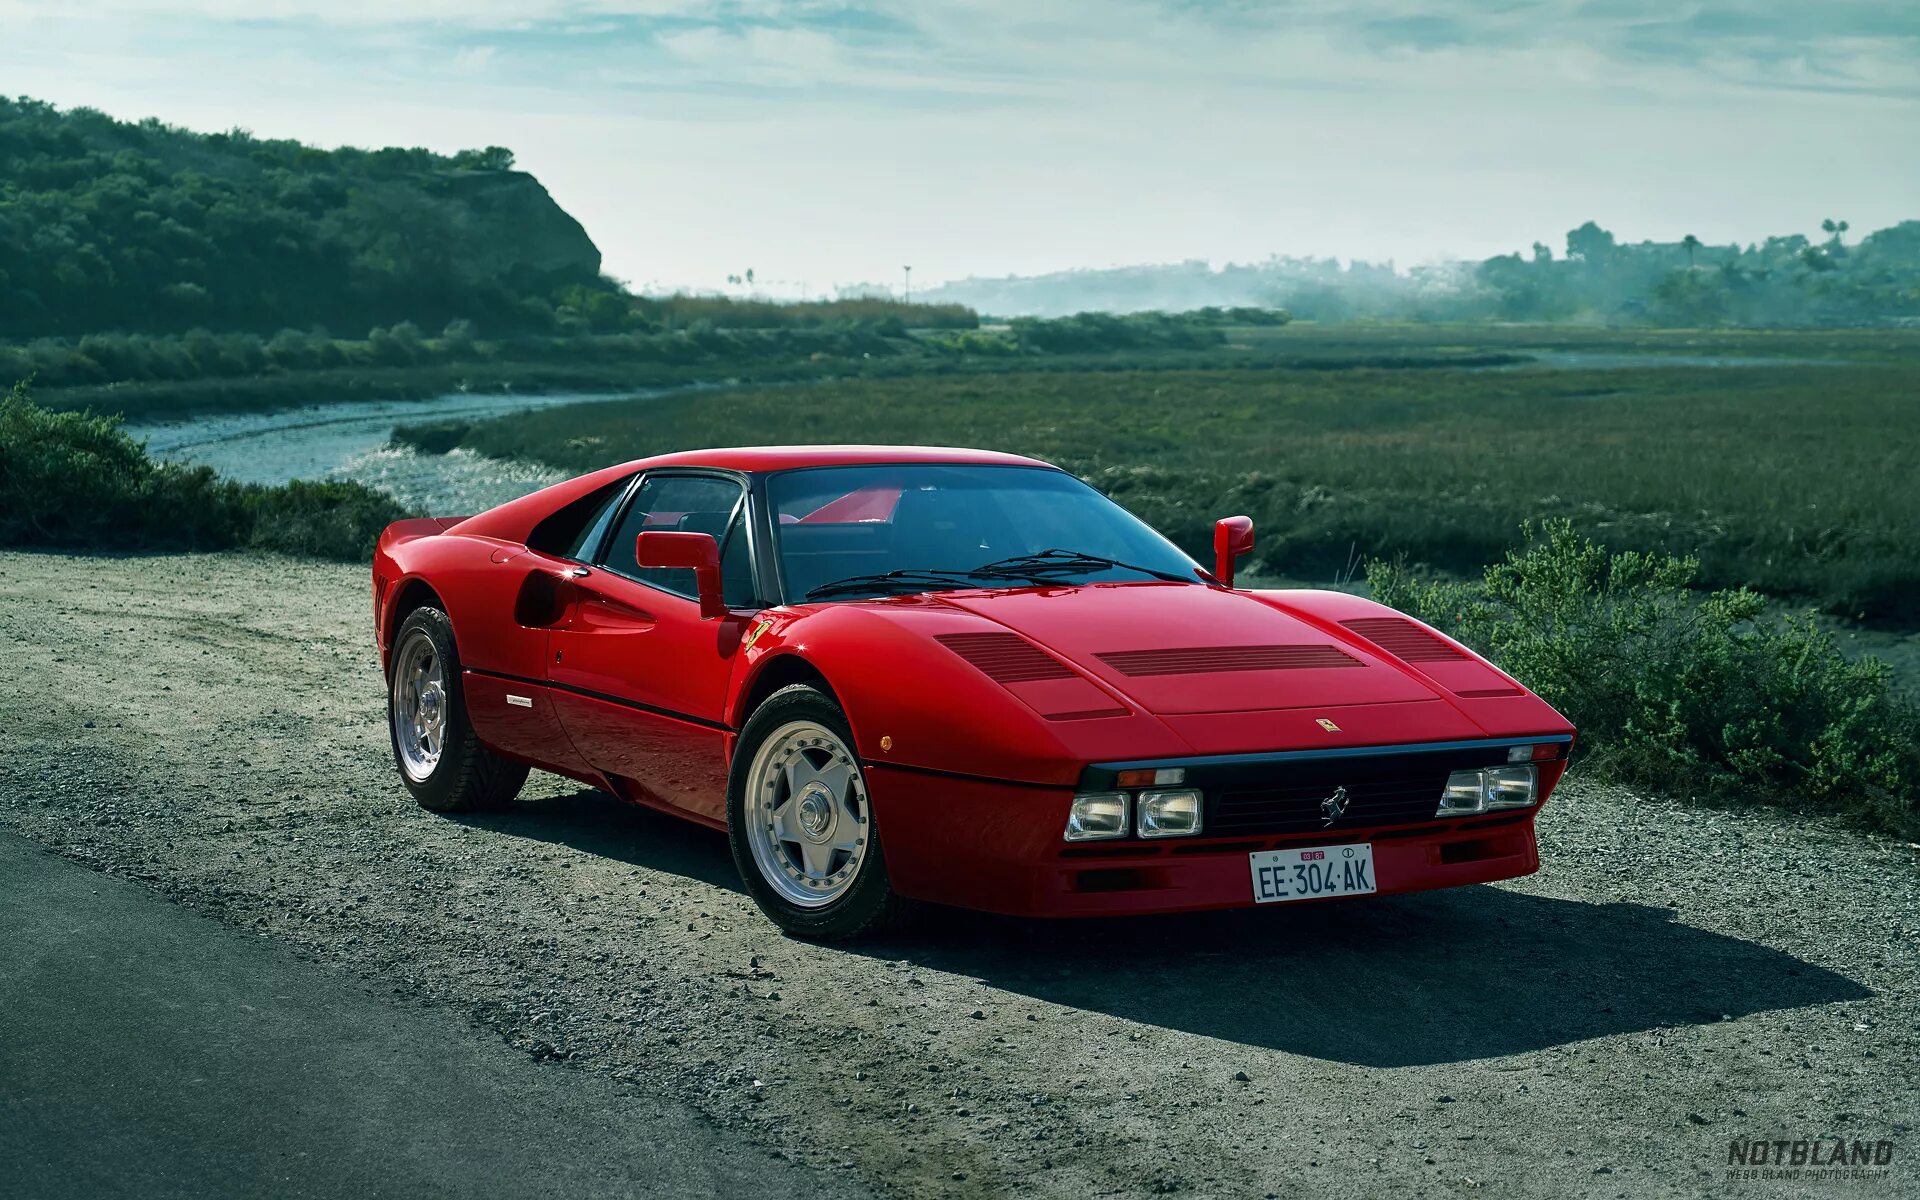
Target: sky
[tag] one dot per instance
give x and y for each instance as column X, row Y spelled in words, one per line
column 826, row 143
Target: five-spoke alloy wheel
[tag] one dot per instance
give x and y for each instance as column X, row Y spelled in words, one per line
column 801, row 823
column 807, row 814
column 442, row 763
column 419, row 708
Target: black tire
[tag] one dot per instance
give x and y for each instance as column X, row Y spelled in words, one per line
column 467, row 777
column 870, row 906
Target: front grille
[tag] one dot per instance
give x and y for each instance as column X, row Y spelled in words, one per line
column 1393, row 789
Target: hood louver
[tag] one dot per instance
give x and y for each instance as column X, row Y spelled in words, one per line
column 1004, row 657
column 1403, row 639
column 1207, row 660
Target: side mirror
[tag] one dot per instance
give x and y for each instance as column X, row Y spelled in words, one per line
column 698, row 552
column 1232, row 540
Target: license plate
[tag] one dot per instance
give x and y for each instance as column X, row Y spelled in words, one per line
column 1312, row 872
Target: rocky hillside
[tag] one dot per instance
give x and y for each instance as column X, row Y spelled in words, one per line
column 110, row 225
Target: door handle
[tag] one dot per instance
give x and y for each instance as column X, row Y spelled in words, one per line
column 580, row 572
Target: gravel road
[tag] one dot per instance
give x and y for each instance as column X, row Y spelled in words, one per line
column 1675, row 978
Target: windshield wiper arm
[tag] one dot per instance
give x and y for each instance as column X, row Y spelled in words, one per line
column 1035, row 568
column 916, row 577
column 1067, row 561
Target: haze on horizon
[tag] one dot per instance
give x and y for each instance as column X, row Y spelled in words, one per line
column 823, row 143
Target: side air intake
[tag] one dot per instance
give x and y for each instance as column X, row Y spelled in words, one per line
column 1403, row 639
column 1004, row 657
column 1207, row 660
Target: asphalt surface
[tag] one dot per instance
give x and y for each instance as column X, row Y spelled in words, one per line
column 151, row 1052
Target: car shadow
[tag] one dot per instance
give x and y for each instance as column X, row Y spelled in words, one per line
column 603, row 825
column 1437, row 977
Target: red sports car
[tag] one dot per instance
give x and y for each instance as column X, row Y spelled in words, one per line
column 901, row 675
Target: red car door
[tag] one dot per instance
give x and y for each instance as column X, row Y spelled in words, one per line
column 640, row 681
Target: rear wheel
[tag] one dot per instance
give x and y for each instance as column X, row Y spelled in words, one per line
column 801, row 823
column 440, row 760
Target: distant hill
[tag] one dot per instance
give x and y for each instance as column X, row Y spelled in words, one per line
column 1787, row 280
column 143, row 227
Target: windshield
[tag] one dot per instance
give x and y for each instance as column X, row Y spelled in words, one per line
column 847, row 532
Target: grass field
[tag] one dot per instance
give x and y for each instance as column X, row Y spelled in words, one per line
column 1795, row 479
column 241, row 379
column 1860, row 345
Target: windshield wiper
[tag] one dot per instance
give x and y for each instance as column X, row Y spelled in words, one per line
column 918, row 578
column 1054, row 562
column 1041, row 568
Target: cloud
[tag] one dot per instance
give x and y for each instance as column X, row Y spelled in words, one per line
column 938, row 45
column 988, row 136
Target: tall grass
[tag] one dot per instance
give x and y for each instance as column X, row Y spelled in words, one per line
column 1789, row 479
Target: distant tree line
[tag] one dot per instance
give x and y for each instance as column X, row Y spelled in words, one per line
column 669, row 331
column 1597, row 279
column 1788, row 280
column 99, row 358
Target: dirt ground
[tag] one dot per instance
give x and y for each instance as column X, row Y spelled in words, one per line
column 1674, row 979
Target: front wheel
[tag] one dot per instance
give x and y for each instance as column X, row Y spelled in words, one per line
column 442, row 763
column 801, row 823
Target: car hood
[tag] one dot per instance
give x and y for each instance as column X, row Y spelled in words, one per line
column 1176, row 648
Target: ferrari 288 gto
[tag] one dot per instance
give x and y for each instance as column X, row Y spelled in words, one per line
column 897, row 676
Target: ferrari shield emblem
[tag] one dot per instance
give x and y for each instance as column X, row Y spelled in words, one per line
column 1327, row 725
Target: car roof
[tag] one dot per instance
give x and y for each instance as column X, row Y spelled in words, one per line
column 760, row 459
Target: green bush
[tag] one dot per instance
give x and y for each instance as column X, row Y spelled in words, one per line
column 1092, row 332
column 431, row 437
column 78, row 480
column 1674, row 688
column 332, row 519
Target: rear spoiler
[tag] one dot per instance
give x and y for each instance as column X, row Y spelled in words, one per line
column 416, row 527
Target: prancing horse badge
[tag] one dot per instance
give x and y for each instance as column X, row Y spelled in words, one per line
column 1327, row 725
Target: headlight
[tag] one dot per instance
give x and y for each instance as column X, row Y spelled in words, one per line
column 1169, row 813
column 1097, row 815
column 1510, row 787
column 1466, row 792
column 1469, row 792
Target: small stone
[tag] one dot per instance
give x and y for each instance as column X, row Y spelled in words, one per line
column 978, row 1014
column 1242, row 1077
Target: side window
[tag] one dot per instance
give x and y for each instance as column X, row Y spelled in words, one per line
column 685, row 504
column 574, row 531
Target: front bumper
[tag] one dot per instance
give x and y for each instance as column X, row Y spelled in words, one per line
column 996, row 846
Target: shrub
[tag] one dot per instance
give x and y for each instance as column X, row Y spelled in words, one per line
column 333, row 519
column 1092, row 332
column 1674, row 688
column 431, row 437
column 78, row 480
